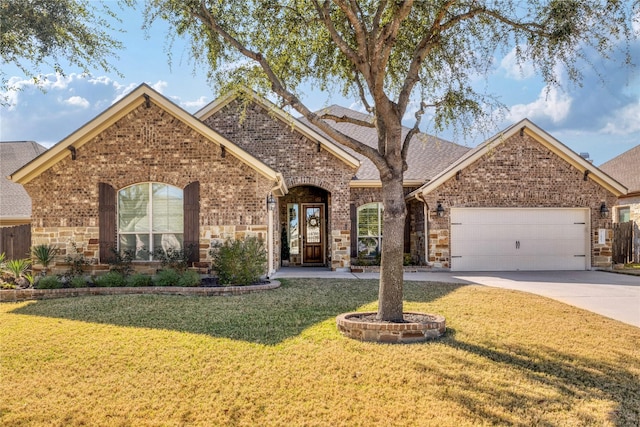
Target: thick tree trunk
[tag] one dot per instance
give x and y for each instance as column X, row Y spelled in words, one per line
column 391, row 273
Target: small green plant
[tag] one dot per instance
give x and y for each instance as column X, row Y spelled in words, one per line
column 174, row 259
column 239, row 262
column 121, row 261
column 112, row 279
column 139, row 280
column 77, row 261
column 49, row 282
column 45, row 254
column 18, row 269
column 167, row 277
column 285, row 251
column 406, row 259
column 78, row 282
column 189, row 278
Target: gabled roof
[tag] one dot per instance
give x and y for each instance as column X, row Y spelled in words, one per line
column 285, row 117
column 15, row 203
column 626, row 169
column 142, row 94
column 428, row 155
column 540, row 136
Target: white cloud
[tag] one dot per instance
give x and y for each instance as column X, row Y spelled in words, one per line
column 159, row 86
column 514, row 69
column 195, row 105
column 625, row 121
column 77, row 101
column 552, row 104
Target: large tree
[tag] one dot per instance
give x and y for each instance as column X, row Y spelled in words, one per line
column 394, row 56
column 39, row 35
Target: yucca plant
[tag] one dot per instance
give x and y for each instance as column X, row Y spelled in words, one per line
column 45, row 255
column 18, row 268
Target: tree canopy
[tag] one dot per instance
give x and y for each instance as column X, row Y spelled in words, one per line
column 41, row 35
column 395, row 57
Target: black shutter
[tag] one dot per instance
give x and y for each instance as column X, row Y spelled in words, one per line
column 106, row 221
column 192, row 220
column 354, row 230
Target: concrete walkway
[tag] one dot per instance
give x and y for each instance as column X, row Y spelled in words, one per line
column 616, row 296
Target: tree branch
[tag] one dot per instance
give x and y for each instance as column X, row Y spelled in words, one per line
column 347, row 119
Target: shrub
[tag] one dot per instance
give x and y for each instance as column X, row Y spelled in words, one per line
column 139, row 280
column 239, row 262
column 78, row 282
column 18, row 270
column 45, row 254
column 76, row 261
column 174, row 259
column 112, row 279
column 120, row 262
column 189, row 278
column 167, row 277
column 49, row 282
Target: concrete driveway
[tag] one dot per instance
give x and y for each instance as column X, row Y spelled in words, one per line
column 616, row 296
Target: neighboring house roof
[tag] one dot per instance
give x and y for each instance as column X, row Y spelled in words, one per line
column 142, row 94
column 427, row 157
column 15, row 203
column 626, row 169
column 327, row 143
column 525, row 126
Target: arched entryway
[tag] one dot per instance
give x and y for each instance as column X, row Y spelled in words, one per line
column 305, row 226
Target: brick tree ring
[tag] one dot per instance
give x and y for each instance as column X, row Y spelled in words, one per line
column 417, row 327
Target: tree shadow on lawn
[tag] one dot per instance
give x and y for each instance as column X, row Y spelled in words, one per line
column 561, row 381
column 267, row 317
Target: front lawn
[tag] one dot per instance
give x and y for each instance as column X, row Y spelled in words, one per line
column 276, row 358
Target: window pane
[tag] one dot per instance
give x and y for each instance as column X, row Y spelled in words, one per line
column 136, row 242
column 292, row 209
column 312, row 234
column 368, row 246
column 624, row 214
column 369, row 220
column 167, row 208
column 133, row 208
column 167, row 242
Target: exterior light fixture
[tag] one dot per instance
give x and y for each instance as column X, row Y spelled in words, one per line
column 604, row 210
column 271, row 202
column 440, row 210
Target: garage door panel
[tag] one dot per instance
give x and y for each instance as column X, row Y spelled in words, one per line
column 493, row 239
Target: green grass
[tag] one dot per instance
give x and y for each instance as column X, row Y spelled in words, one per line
column 276, row 358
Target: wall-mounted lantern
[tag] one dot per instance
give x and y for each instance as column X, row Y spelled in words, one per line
column 604, row 210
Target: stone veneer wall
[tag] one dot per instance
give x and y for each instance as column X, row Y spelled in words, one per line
column 287, row 151
column 520, row 172
column 148, row 144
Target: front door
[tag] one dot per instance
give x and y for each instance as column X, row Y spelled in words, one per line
column 313, row 234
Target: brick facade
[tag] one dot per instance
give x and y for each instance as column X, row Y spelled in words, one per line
column 148, row 144
column 520, row 172
column 303, row 162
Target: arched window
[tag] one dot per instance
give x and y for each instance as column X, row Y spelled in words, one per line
column 370, row 230
column 150, row 218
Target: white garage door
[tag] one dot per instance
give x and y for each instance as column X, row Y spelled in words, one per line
column 503, row 239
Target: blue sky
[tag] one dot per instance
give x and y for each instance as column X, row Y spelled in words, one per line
column 602, row 119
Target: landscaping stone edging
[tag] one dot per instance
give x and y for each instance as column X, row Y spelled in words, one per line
column 18, row 295
column 403, row 333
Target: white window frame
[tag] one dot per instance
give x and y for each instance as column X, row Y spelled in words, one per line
column 377, row 237
column 149, row 214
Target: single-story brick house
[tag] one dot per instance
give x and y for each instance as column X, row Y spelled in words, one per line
column 626, row 169
column 146, row 175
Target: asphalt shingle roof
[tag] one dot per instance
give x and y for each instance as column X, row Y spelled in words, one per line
column 625, row 169
column 427, row 157
column 14, row 200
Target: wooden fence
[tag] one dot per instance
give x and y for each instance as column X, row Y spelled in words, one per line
column 15, row 241
column 623, row 242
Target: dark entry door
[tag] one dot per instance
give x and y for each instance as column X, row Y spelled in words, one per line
column 313, row 234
